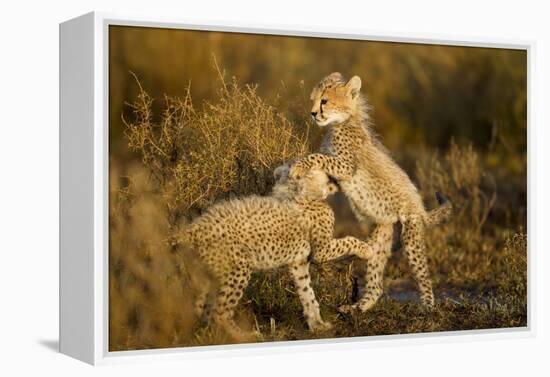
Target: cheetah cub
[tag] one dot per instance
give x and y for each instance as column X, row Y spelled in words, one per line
column 291, row 227
column 376, row 187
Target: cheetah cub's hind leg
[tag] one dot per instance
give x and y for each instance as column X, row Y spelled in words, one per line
column 202, row 304
column 202, row 286
column 371, row 285
column 302, row 281
column 415, row 249
column 381, row 241
column 231, row 289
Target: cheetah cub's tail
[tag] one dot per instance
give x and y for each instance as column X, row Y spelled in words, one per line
column 440, row 214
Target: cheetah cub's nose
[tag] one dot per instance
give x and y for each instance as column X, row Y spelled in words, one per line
column 313, row 113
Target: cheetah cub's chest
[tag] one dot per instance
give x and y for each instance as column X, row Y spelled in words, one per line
column 361, row 190
column 364, row 198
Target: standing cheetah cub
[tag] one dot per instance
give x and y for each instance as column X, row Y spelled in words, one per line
column 289, row 228
column 376, row 187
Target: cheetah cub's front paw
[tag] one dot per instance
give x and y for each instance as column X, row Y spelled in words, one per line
column 348, row 309
column 248, row 337
column 320, row 326
column 256, row 336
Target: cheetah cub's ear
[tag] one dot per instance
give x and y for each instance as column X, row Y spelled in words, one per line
column 353, row 87
column 333, row 78
column 280, row 173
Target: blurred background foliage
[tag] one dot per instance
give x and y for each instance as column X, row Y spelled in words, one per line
column 421, row 94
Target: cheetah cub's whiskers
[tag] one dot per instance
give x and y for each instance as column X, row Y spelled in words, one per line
column 291, row 227
column 376, row 187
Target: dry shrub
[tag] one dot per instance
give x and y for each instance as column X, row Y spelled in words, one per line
column 228, row 147
column 459, row 175
column 512, row 279
column 469, row 251
column 459, row 247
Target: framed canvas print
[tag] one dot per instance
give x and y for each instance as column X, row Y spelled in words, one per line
column 234, row 189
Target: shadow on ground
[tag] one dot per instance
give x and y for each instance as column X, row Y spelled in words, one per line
column 52, row 345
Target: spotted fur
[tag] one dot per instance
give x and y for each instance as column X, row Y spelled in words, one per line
column 291, row 227
column 376, row 187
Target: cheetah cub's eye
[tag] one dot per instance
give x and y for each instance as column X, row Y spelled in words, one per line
column 324, row 101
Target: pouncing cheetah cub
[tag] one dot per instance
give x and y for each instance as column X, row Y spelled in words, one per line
column 291, row 227
column 376, row 187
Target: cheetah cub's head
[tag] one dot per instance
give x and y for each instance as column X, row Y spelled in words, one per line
column 335, row 100
column 314, row 186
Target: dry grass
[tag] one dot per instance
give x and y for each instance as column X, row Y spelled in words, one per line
column 192, row 156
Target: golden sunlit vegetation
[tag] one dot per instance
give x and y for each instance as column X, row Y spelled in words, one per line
column 184, row 134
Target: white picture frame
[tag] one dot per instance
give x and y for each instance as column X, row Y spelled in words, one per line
column 84, row 192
